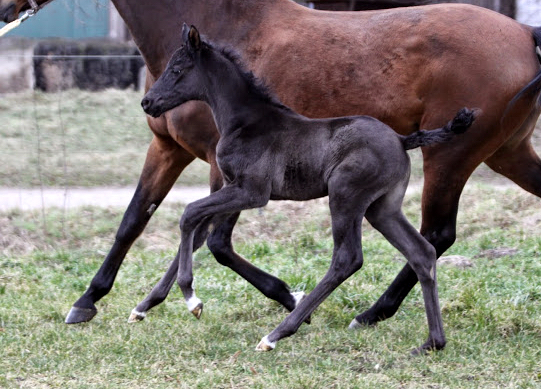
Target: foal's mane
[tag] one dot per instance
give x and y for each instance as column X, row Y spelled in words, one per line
column 256, row 85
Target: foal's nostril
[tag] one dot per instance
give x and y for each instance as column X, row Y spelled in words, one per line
column 146, row 103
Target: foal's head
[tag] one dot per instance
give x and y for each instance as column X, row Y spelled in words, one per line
column 199, row 70
column 180, row 81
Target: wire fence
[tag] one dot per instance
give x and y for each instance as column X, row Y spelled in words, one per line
column 88, row 129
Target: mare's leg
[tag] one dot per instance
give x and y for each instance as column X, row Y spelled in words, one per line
column 387, row 217
column 347, row 215
column 164, row 162
column 520, row 164
column 219, row 205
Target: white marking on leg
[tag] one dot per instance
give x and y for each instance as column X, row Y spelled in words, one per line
column 136, row 316
column 151, row 209
column 265, row 345
column 354, row 324
column 193, row 302
column 298, row 296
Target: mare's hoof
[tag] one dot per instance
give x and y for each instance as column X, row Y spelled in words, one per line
column 80, row 315
column 136, row 316
column 428, row 347
column 265, row 345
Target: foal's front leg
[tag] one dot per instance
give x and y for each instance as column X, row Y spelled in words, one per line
column 228, row 200
column 219, row 243
column 160, row 291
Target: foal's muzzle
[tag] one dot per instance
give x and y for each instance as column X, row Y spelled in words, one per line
column 152, row 106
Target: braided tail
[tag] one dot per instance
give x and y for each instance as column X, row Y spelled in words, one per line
column 461, row 122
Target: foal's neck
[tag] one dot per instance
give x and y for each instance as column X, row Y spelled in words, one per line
column 237, row 99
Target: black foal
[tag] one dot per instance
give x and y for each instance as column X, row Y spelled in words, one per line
column 267, row 151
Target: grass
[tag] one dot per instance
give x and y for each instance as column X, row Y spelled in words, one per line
column 491, row 310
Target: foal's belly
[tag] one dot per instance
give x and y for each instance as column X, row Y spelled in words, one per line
column 298, row 188
column 299, row 196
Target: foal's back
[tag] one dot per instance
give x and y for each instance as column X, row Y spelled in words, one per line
column 307, row 154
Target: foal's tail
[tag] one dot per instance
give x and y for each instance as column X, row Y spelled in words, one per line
column 461, row 122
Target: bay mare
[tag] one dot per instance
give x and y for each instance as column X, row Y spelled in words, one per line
column 409, row 67
column 267, row 151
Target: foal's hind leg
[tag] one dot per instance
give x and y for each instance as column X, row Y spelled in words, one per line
column 386, row 216
column 444, row 182
column 347, row 215
column 443, row 185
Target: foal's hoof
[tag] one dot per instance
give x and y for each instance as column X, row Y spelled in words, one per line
column 197, row 311
column 136, row 316
column 265, row 345
column 80, row 315
column 355, row 325
column 195, row 306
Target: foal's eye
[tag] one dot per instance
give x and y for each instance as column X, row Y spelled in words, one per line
column 176, row 71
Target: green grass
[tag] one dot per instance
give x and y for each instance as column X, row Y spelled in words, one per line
column 77, row 138
column 492, row 311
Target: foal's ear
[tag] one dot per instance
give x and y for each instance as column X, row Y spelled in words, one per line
column 184, row 34
column 194, row 39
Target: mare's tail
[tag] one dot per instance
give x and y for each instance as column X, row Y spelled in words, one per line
column 461, row 122
column 533, row 88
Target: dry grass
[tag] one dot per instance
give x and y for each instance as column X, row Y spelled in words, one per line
column 76, row 138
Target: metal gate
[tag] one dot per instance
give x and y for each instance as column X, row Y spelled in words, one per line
column 68, row 19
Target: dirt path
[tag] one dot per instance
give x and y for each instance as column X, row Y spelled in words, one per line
column 27, row 199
